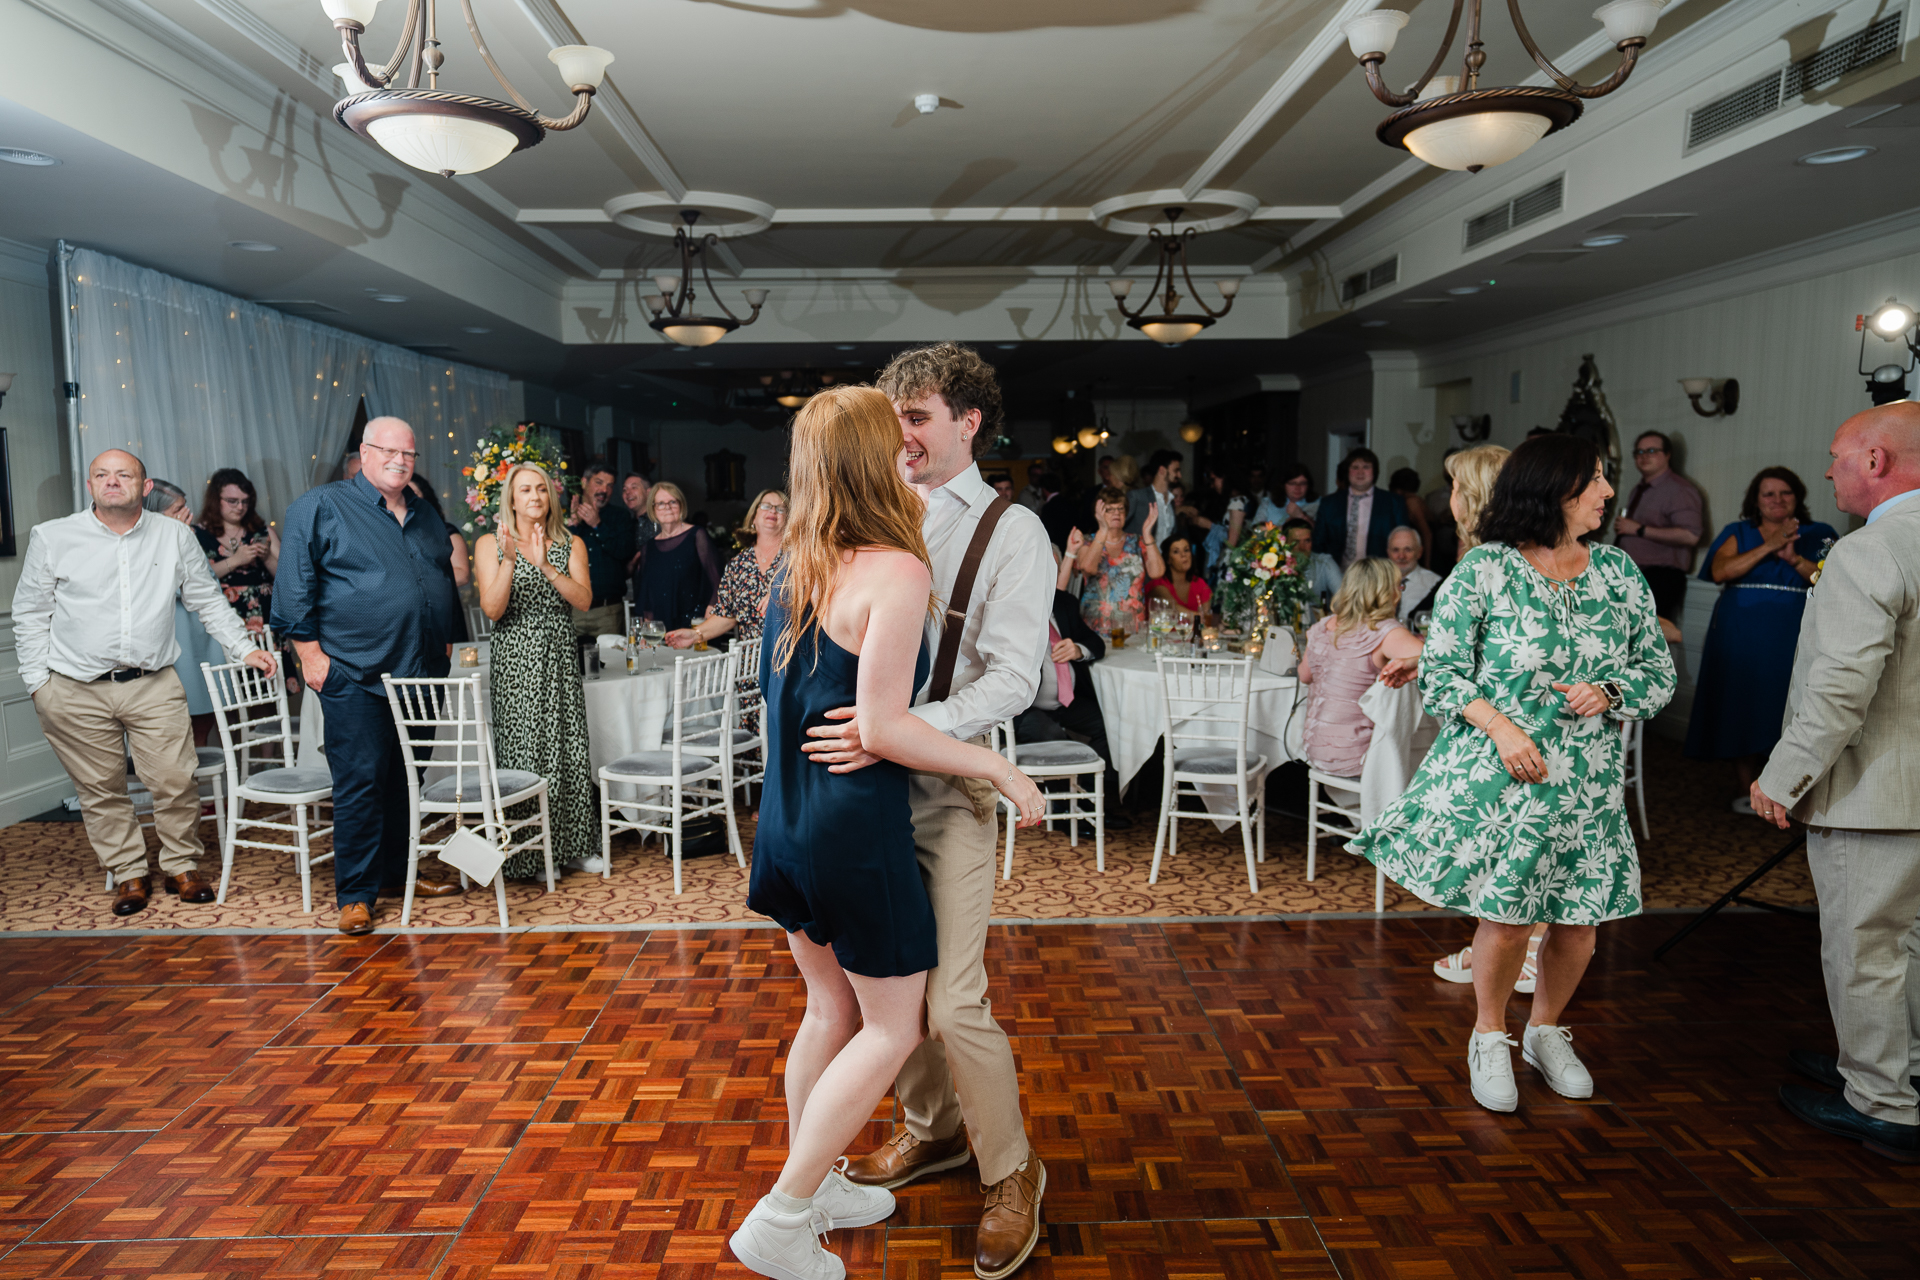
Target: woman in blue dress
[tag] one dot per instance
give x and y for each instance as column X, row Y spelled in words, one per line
column 833, row 857
column 1766, row 562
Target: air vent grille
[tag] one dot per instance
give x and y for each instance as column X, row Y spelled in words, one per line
column 1529, row 206
column 1816, row 71
column 1378, row 276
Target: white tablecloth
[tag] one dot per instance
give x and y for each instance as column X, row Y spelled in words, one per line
column 1132, row 705
column 625, row 713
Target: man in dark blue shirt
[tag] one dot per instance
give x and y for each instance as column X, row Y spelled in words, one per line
column 607, row 555
column 365, row 588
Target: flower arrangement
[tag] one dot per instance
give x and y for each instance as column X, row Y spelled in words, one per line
column 494, row 454
column 1263, row 571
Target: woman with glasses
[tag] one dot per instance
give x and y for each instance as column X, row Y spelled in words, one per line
column 242, row 548
column 742, row 601
column 678, row 569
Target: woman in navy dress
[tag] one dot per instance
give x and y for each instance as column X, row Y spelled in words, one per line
column 1766, row 561
column 833, row 859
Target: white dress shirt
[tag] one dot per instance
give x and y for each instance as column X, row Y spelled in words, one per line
column 1416, row 586
column 92, row 601
column 1004, row 638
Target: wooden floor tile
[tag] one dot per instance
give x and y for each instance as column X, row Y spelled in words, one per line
column 41, row 1172
column 1243, row 1249
column 407, row 1257
column 28, row 965
column 694, row 1253
column 307, row 1141
column 1279, row 945
column 1844, row 1244
column 1757, row 1155
column 226, row 960
column 459, row 988
column 130, row 1057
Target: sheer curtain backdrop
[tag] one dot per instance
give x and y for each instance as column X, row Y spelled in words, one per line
column 192, row 380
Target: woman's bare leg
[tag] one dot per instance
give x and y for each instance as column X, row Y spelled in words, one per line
column 840, row 1097
column 1563, row 962
column 832, row 1019
column 1498, row 952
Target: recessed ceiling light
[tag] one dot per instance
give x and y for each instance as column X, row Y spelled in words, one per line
column 843, row 346
column 1835, row 155
column 475, row 328
column 389, row 297
column 20, row 155
column 680, row 348
column 1373, row 324
column 1602, row 242
column 1462, row 290
column 253, row 246
column 1007, row 346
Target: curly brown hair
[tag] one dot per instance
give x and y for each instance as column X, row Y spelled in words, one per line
column 955, row 373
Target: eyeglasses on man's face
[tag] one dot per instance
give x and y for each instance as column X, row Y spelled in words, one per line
column 408, row 454
column 1648, row 453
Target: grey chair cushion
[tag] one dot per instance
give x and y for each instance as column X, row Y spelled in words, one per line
column 509, row 781
column 306, row 777
column 1203, row 760
column 659, row 765
column 1053, row 755
column 709, row 743
column 209, row 758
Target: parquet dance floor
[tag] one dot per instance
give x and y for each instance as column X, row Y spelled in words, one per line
column 1253, row 1100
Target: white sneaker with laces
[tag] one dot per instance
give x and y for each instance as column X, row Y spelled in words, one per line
column 1550, row 1050
column 848, row 1204
column 786, row 1246
column 1490, row 1067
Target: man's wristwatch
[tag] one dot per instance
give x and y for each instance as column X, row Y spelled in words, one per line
column 1611, row 688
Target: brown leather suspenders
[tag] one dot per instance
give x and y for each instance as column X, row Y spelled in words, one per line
column 942, row 683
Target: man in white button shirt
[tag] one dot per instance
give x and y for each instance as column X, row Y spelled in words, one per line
column 93, row 616
column 949, row 406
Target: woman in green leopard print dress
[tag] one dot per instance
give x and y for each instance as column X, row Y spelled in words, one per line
column 539, row 712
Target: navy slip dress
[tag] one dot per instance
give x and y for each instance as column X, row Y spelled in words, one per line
column 833, row 852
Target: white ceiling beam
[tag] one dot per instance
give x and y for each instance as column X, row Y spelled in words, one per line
column 556, row 30
column 1015, row 213
column 1323, row 45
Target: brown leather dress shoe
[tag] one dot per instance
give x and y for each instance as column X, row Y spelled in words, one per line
column 1010, row 1226
column 904, row 1157
column 356, row 918
column 191, row 887
column 130, row 896
column 424, row 888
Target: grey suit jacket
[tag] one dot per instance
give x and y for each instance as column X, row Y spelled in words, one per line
column 1849, row 754
column 1139, row 502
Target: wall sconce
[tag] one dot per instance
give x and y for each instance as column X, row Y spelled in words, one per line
column 1191, row 432
column 6, row 385
column 1723, row 394
column 1472, row 428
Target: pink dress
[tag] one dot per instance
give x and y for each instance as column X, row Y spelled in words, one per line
column 1338, row 732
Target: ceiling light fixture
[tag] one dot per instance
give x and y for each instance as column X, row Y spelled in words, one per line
column 253, row 246
column 1463, row 290
column 32, row 159
column 1835, row 155
column 672, row 307
column 1171, row 327
column 441, row 132
column 1467, row 127
column 388, row 297
column 1891, row 321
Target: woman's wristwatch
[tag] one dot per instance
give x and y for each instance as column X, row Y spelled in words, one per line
column 1611, row 690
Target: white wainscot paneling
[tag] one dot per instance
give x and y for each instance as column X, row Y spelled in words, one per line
column 31, row 779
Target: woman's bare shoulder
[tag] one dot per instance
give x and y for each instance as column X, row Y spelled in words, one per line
column 890, row 568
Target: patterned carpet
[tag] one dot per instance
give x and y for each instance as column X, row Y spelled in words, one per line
column 50, row 879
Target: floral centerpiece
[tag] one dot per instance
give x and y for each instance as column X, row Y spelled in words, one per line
column 494, row 454
column 1263, row 573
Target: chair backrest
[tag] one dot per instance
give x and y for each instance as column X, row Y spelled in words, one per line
column 1204, row 703
column 443, row 725
column 1000, row 739
column 479, row 625
column 250, row 711
column 703, row 701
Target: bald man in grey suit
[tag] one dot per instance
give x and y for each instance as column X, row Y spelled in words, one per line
column 1848, row 765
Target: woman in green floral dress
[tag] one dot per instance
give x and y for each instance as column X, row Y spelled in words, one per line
column 1540, row 646
column 533, row 574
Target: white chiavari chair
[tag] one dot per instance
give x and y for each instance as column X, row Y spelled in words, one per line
column 1204, row 731
column 250, row 711
column 1045, row 762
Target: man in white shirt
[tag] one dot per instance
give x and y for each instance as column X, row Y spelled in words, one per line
column 93, row 616
column 949, row 406
column 1417, row 582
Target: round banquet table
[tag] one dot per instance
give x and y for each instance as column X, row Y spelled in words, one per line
column 1133, row 706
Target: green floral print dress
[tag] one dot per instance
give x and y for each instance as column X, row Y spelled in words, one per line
column 1466, row 835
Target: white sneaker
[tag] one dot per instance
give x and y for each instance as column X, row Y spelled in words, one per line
column 1490, row 1067
column 848, row 1204
column 785, row 1246
column 593, row 864
column 1550, row 1050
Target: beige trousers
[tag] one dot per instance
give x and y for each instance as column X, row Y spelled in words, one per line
column 964, row 1070
column 1868, row 883
column 85, row 723
column 605, row 620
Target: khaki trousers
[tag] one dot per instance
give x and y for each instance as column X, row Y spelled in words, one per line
column 84, row 722
column 964, row 1069
column 604, row 620
column 1868, row 883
